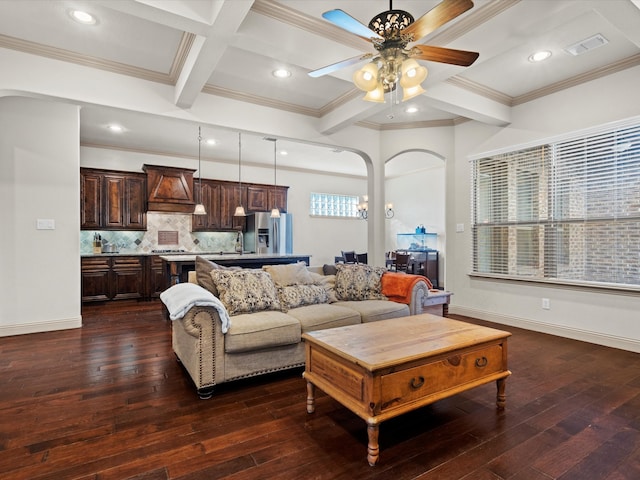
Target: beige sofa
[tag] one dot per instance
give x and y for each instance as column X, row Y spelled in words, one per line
column 264, row 332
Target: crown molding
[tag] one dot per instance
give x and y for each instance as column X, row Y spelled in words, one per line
column 311, row 24
column 614, row 67
column 481, row 90
column 258, row 100
column 84, row 60
column 186, row 42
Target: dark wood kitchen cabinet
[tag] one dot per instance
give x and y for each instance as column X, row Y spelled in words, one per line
column 112, row 200
column 127, row 277
column 262, row 198
column 231, row 195
column 278, row 197
column 95, row 274
column 210, row 198
column 155, row 276
column 113, row 278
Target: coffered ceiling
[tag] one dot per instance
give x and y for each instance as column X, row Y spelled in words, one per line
column 231, row 47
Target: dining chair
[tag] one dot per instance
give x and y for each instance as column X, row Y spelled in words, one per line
column 362, row 258
column 402, row 262
column 349, row 257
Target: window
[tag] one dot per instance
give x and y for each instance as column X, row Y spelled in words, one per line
column 567, row 211
column 333, row 205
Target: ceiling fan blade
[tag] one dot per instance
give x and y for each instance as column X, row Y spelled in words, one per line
column 442, row 13
column 347, row 22
column 337, row 66
column 444, row 55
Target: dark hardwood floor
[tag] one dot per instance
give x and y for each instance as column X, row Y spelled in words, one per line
column 110, row 401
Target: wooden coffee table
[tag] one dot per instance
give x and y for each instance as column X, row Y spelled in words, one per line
column 380, row 370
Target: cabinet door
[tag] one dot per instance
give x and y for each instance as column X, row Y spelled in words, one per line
column 90, row 200
column 114, row 191
column 211, row 202
column 127, row 277
column 278, row 197
column 135, row 195
column 230, row 197
column 257, row 198
column 155, row 275
column 95, row 279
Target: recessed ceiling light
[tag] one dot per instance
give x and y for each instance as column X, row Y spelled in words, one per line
column 284, row 152
column 281, row 73
column 115, row 128
column 539, row 56
column 83, row 17
column 411, row 109
column 211, row 141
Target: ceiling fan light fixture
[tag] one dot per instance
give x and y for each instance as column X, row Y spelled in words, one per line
column 411, row 92
column 412, row 73
column 366, row 79
column 375, row 95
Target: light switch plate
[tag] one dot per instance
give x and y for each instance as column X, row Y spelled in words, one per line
column 460, row 227
column 45, row 224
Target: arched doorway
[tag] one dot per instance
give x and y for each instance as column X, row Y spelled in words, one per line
column 415, row 185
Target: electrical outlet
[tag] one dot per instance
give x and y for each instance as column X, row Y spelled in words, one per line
column 459, row 227
column 546, row 304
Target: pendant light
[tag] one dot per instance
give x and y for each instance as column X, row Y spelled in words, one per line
column 199, row 210
column 240, row 209
column 275, row 212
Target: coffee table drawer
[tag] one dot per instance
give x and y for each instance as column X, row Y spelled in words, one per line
column 418, row 382
column 336, row 373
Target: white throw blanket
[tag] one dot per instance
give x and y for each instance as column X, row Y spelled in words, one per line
column 180, row 297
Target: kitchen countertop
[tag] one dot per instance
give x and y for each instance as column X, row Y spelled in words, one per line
column 164, row 254
column 191, row 257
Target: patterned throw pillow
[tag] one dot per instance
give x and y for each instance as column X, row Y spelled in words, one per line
column 328, row 282
column 294, row 296
column 359, row 282
column 246, row 291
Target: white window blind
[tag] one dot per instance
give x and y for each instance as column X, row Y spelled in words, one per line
column 567, row 211
column 333, row 205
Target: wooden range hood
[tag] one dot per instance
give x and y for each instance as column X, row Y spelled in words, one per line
column 169, row 189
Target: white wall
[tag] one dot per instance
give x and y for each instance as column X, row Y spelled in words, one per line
column 322, row 238
column 599, row 316
column 39, row 161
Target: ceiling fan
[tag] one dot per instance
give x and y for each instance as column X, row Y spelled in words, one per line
column 390, row 32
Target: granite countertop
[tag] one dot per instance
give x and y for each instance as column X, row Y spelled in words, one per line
column 134, row 253
column 191, row 257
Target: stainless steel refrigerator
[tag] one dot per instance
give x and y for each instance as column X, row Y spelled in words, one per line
column 269, row 236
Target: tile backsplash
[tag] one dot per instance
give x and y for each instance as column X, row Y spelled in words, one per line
column 144, row 242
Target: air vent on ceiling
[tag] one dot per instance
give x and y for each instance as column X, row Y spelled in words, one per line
column 586, row 45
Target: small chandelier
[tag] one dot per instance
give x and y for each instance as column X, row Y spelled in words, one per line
column 199, row 210
column 240, row 209
column 394, row 64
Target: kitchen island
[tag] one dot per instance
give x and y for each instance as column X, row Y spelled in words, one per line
column 176, row 267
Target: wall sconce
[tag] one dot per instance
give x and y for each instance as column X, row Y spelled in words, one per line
column 388, row 210
column 363, row 209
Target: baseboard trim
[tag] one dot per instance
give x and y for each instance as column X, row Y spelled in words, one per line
column 39, row 327
column 623, row 343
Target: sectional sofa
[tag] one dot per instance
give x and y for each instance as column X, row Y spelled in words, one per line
column 228, row 324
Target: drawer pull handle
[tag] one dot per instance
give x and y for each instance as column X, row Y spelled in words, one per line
column 417, row 383
column 481, row 362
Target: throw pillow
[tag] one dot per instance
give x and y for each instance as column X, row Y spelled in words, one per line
column 245, row 291
column 294, row 296
column 328, row 282
column 359, row 282
column 329, row 269
column 289, row 274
